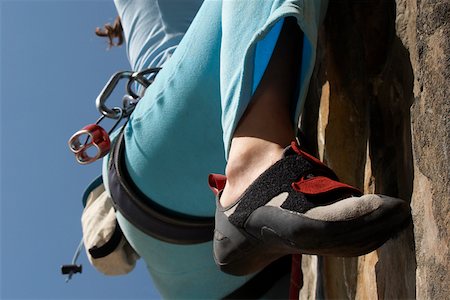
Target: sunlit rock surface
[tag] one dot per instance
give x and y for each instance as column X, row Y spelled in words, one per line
column 378, row 113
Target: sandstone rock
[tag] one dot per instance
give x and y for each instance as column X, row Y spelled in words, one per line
column 378, row 112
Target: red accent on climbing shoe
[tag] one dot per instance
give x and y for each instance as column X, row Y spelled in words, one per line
column 321, row 184
column 217, row 182
column 308, row 156
column 322, row 167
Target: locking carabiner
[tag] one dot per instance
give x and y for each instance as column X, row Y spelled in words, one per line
column 106, row 92
column 132, row 77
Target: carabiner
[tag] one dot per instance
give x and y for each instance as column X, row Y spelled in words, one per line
column 140, row 78
column 106, row 92
column 128, row 104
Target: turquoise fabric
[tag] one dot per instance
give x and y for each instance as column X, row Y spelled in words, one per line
column 182, row 127
column 181, row 271
column 154, row 28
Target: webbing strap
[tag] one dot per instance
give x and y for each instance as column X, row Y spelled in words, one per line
column 110, row 246
column 264, row 281
column 148, row 216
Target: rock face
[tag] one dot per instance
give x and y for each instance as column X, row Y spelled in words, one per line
column 378, row 113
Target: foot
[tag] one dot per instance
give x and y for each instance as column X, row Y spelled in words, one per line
column 298, row 206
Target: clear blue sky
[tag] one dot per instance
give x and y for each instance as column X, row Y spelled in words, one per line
column 52, row 69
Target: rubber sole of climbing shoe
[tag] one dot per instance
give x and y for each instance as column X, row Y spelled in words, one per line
column 271, row 232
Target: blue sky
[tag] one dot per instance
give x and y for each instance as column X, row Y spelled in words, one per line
column 52, row 69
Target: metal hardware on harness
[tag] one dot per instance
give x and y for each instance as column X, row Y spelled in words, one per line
column 96, row 137
column 132, row 77
column 140, row 78
column 106, row 92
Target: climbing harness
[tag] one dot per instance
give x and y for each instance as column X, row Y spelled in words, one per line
column 94, row 136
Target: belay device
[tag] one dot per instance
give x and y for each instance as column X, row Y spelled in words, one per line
column 92, row 142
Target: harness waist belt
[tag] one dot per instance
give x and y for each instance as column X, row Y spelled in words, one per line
column 147, row 215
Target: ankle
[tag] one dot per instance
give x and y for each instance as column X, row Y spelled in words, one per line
column 249, row 157
column 246, row 152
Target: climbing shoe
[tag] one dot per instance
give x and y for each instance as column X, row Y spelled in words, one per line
column 299, row 206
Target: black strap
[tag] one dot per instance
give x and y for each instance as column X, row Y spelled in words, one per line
column 109, row 246
column 147, row 215
column 265, row 280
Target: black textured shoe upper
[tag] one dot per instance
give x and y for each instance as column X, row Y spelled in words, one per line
column 279, row 178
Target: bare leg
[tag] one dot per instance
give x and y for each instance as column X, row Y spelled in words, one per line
column 267, row 127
